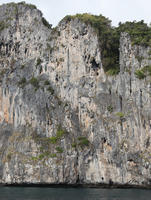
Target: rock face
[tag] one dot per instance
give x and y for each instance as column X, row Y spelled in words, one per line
column 62, row 119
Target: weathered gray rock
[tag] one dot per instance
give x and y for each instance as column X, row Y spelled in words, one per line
column 62, row 119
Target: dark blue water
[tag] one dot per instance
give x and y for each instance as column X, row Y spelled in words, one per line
column 37, row 193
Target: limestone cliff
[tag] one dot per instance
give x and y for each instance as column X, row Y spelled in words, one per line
column 62, row 118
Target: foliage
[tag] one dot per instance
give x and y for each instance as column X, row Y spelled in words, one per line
column 3, row 72
column 74, row 145
column 53, row 155
column 34, row 81
column 139, row 32
column 40, row 69
column 149, row 53
column 59, row 102
column 61, row 59
column 53, row 140
column 38, row 61
column 55, row 32
column 34, row 158
column 110, row 108
column 147, row 69
column 31, row 6
column 3, row 25
column 140, row 74
column 139, row 58
column 22, row 66
column 60, row 132
column 46, row 23
column 113, row 71
column 59, row 149
column 120, row 114
column 83, row 141
column 41, row 156
column 22, row 82
column 108, row 38
column 51, row 90
column 46, row 82
column 9, row 155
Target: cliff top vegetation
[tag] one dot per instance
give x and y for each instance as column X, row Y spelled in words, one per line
column 109, row 37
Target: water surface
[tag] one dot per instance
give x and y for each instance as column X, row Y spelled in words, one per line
column 41, row 193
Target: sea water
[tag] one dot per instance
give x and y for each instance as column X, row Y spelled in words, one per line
column 45, row 193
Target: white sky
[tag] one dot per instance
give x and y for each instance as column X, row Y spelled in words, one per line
column 115, row 10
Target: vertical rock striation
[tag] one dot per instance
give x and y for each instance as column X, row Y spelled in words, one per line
column 62, row 119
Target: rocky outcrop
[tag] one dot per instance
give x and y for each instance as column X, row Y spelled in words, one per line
column 62, row 119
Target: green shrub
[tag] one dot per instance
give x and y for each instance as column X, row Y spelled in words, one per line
column 61, row 60
column 147, row 69
column 83, row 141
column 31, row 6
column 39, row 61
column 22, row 66
column 41, row 148
column 55, row 32
column 34, row 81
column 34, row 158
column 120, row 114
column 22, row 82
column 139, row 32
column 46, row 82
column 113, row 72
column 149, row 53
column 53, row 155
column 51, row 90
column 53, row 140
column 9, row 156
column 59, row 149
column 3, row 72
column 60, row 132
column 45, row 23
column 110, row 108
column 74, row 145
column 59, row 102
column 66, row 104
column 41, row 156
column 140, row 74
column 139, row 58
column 3, row 25
column 48, row 46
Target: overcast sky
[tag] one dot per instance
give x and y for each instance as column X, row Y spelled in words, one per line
column 116, row 10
